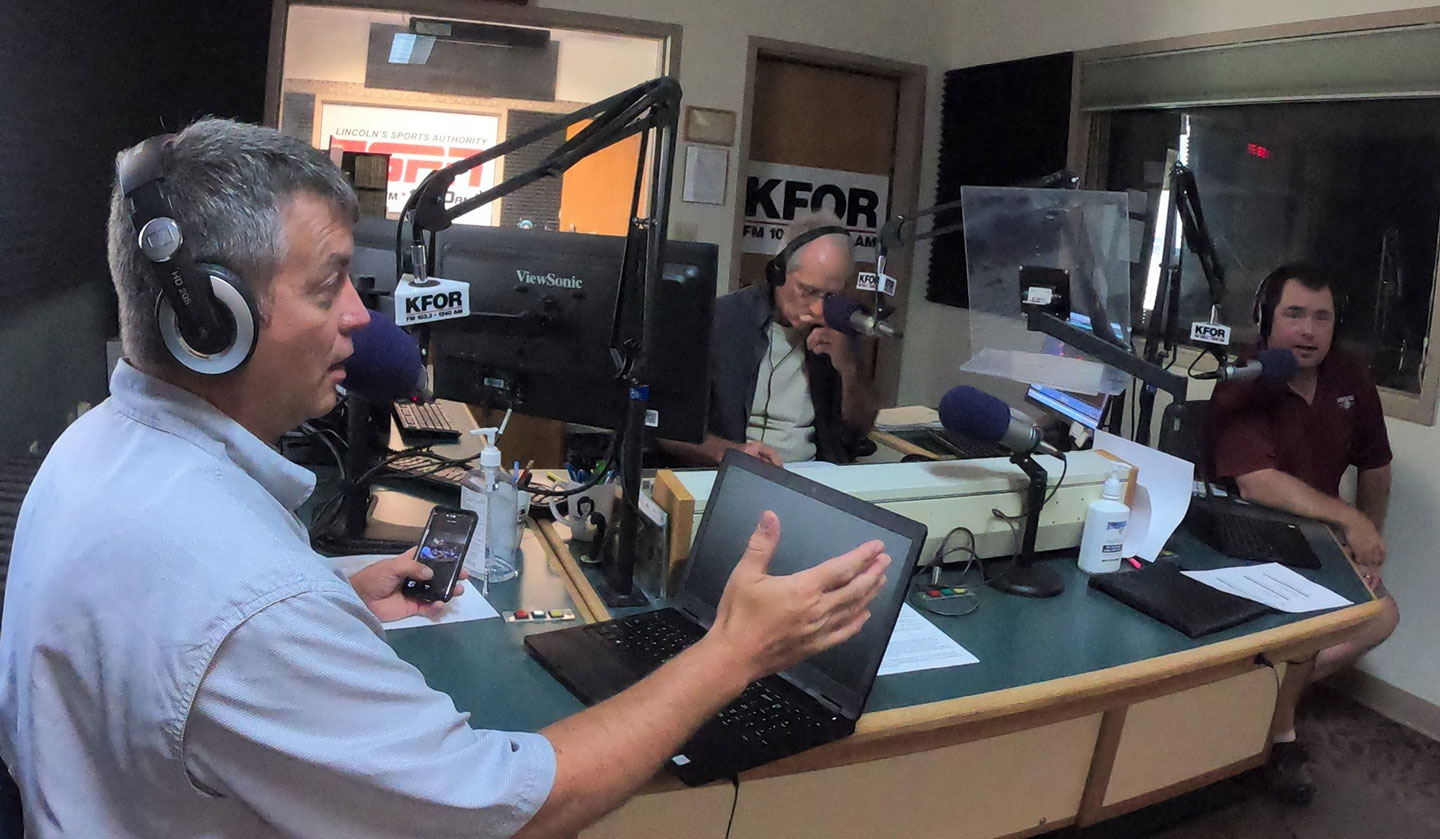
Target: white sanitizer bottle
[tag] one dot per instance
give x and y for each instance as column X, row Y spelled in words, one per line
column 489, row 494
column 1103, row 539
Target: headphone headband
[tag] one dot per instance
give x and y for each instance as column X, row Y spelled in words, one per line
column 775, row 269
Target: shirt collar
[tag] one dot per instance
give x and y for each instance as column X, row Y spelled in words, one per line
column 174, row 410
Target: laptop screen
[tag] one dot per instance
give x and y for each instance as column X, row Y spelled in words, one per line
column 816, row 523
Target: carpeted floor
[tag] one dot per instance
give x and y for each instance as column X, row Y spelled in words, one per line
column 1376, row 779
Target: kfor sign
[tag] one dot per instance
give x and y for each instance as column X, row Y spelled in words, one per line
column 775, row 193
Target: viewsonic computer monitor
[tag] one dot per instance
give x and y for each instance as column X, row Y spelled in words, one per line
column 538, row 337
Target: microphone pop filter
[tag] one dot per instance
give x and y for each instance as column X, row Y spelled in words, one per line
column 386, row 364
column 1277, row 365
column 974, row 413
column 837, row 310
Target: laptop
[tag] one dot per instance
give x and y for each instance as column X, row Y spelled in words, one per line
column 1249, row 533
column 812, row 703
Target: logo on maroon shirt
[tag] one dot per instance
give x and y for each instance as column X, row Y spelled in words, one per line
column 1345, row 402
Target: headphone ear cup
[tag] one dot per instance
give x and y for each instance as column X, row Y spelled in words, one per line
column 775, row 268
column 235, row 302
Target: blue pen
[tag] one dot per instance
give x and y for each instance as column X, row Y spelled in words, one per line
column 515, row 473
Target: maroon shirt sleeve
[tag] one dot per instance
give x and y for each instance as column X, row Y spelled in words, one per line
column 1370, row 447
column 1241, row 440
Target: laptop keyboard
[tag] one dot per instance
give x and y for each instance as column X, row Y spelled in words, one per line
column 762, row 723
column 762, row 716
column 648, row 639
column 1248, row 537
column 1264, row 541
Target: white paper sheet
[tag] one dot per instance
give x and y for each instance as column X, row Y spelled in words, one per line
column 705, row 169
column 916, row 644
column 470, row 606
column 1273, row 584
column 1162, row 494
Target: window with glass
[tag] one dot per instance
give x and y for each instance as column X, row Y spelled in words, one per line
column 426, row 91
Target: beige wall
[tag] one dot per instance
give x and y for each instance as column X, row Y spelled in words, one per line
column 983, row 31
column 712, row 64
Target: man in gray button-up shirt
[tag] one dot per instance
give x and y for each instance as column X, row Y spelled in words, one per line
column 175, row 660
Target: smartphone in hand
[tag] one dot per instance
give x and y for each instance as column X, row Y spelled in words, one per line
column 442, row 548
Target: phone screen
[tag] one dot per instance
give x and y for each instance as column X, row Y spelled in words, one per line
column 442, row 547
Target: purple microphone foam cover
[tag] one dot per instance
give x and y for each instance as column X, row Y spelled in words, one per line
column 837, row 310
column 386, row 364
column 974, row 413
column 1277, row 365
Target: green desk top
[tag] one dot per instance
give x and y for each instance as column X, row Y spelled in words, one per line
column 484, row 667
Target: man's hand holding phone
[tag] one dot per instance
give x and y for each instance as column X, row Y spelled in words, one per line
column 421, row 580
column 381, row 586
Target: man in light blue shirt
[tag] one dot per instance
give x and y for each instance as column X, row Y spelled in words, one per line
column 175, row 660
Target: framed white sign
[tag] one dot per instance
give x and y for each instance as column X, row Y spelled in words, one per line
column 418, row 142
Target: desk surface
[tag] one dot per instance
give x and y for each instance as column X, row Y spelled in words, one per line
column 484, row 668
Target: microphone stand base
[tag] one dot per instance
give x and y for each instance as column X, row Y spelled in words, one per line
column 1021, row 577
column 1025, row 580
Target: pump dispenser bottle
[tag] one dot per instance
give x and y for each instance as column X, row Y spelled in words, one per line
column 1102, row 542
column 489, row 493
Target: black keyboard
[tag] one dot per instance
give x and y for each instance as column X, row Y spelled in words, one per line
column 964, row 448
column 648, row 639
column 760, row 718
column 424, row 420
column 1255, row 539
column 429, row 470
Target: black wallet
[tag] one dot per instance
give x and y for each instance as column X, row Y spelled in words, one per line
column 1172, row 598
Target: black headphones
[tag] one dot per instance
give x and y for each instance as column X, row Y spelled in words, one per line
column 207, row 317
column 1267, row 295
column 775, row 268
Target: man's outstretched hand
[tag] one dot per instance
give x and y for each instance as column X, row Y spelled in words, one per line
column 768, row 623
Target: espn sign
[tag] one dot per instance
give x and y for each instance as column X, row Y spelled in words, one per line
column 418, row 142
column 775, row 193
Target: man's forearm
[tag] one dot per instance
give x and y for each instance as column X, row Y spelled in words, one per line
column 1372, row 494
column 604, row 754
column 1283, row 491
column 858, row 402
column 707, row 452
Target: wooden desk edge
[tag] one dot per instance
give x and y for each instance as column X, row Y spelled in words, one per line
column 891, row 441
column 962, row 719
column 587, row 602
column 918, row 728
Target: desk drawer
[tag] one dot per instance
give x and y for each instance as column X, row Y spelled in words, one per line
column 999, row 786
column 1206, row 732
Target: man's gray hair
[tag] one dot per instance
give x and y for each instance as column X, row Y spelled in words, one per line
column 227, row 183
column 808, row 221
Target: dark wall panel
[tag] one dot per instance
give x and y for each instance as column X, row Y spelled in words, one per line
column 79, row 80
column 1000, row 124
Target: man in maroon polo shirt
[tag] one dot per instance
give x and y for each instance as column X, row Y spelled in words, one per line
column 1286, row 446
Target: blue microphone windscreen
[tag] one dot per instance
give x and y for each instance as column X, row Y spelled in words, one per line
column 1277, row 365
column 386, row 364
column 837, row 310
column 974, row 413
